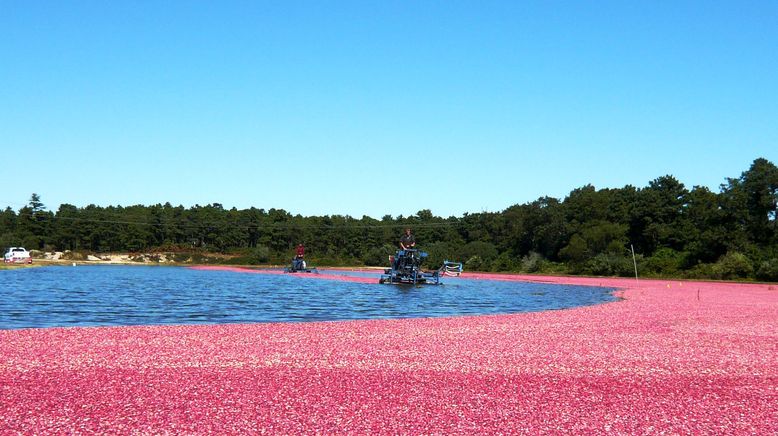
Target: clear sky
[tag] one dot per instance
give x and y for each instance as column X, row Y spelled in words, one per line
column 378, row 107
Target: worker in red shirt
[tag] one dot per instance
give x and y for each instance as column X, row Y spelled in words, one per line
column 298, row 263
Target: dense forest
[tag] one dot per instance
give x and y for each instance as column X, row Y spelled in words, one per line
column 675, row 232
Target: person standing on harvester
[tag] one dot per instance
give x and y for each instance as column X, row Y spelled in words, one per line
column 407, row 241
column 298, row 263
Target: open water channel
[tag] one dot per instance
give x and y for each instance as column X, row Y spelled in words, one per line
column 61, row 296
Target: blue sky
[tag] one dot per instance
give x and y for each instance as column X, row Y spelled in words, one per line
column 378, row 107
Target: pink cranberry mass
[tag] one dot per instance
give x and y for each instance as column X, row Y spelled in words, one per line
column 672, row 357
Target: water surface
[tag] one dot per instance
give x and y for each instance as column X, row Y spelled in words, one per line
column 141, row 295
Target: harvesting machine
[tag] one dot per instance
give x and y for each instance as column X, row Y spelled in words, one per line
column 406, row 269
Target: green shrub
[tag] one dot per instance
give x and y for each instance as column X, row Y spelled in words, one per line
column 260, row 254
column 700, row 271
column 768, row 270
column 576, row 251
column 733, row 265
column 549, row 267
column 379, row 256
column 475, row 263
column 610, row 264
column 532, row 262
column 503, row 262
column 664, row 261
column 440, row 252
column 484, row 251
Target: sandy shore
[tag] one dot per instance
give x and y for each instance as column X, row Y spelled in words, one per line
column 677, row 357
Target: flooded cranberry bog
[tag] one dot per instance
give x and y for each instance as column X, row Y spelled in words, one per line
column 666, row 357
column 124, row 295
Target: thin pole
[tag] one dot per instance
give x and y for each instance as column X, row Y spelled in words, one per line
column 634, row 262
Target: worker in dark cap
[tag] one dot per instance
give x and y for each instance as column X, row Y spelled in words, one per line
column 407, row 241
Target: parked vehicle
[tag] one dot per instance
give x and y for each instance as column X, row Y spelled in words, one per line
column 17, row 255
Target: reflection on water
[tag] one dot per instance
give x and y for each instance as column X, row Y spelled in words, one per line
column 134, row 295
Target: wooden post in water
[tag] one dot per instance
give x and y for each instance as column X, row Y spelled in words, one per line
column 635, row 263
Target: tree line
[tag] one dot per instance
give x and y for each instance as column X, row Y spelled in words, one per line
column 674, row 232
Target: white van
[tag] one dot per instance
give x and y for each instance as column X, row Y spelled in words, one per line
column 17, row 255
